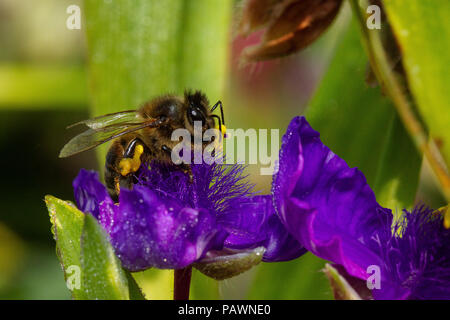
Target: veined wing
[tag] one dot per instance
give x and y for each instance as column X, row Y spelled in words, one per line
column 129, row 116
column 92, row 138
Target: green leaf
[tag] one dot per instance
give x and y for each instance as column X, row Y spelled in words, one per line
column 135, row 291
column 342, row 290
column 398, row 173
column 102, row 275
column 81, row 243
column 361, row 126
column 67, row 225
column 423, row 33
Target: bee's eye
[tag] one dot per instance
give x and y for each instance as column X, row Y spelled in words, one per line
column 195, row 114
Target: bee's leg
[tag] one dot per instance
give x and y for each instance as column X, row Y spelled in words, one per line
column 122, row 159
column 131, row 161
column 112, row 179
column 184, row 167
column 112, row 176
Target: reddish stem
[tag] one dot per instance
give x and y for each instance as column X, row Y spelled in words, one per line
column 182, row 283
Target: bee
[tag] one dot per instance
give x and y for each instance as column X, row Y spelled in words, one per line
column 142, row 135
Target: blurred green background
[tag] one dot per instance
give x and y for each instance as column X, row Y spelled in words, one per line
column 44, row 88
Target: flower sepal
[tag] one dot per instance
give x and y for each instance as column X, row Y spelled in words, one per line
column 227, row 263
column 91, row 268
column 345, row 286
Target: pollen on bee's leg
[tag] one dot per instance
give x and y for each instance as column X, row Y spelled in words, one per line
column 129, row 165
column 223, row 129
column 117, row 187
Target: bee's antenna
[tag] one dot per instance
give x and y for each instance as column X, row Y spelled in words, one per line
column 219, row 104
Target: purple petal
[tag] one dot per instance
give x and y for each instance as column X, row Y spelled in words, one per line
column 281, row 245
column 89, row 192
column 252, row 222
column 327, row 206
column 213, row 187
column 147, row 230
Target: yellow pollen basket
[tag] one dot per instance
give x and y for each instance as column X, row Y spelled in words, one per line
column 224, row 130
column 129, row 165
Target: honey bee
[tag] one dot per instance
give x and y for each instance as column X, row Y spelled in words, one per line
column 142, row 135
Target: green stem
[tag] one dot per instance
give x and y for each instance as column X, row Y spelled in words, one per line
column 382, row 69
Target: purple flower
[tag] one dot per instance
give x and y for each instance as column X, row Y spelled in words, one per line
column 89, row 192
column 326, row 206
column 330, row 209
column 416, row 257
column 318, row 203
column 170, row 221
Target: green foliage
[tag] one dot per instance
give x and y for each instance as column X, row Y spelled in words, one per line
column 67, row 225
column 203, row 287
column 399, row 169
column 361, row 126
column 42, row 87
column 134, row 290
column 226, row 267
column 297, row 279
column 102, row 274
column 82, row 243
column 342, row 290
column 423, row 33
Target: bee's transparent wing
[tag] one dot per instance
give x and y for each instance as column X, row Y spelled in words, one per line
column 92, row 138
column 129, row 116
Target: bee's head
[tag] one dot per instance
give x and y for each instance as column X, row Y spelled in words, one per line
column 197, row 109
column 173, row 112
